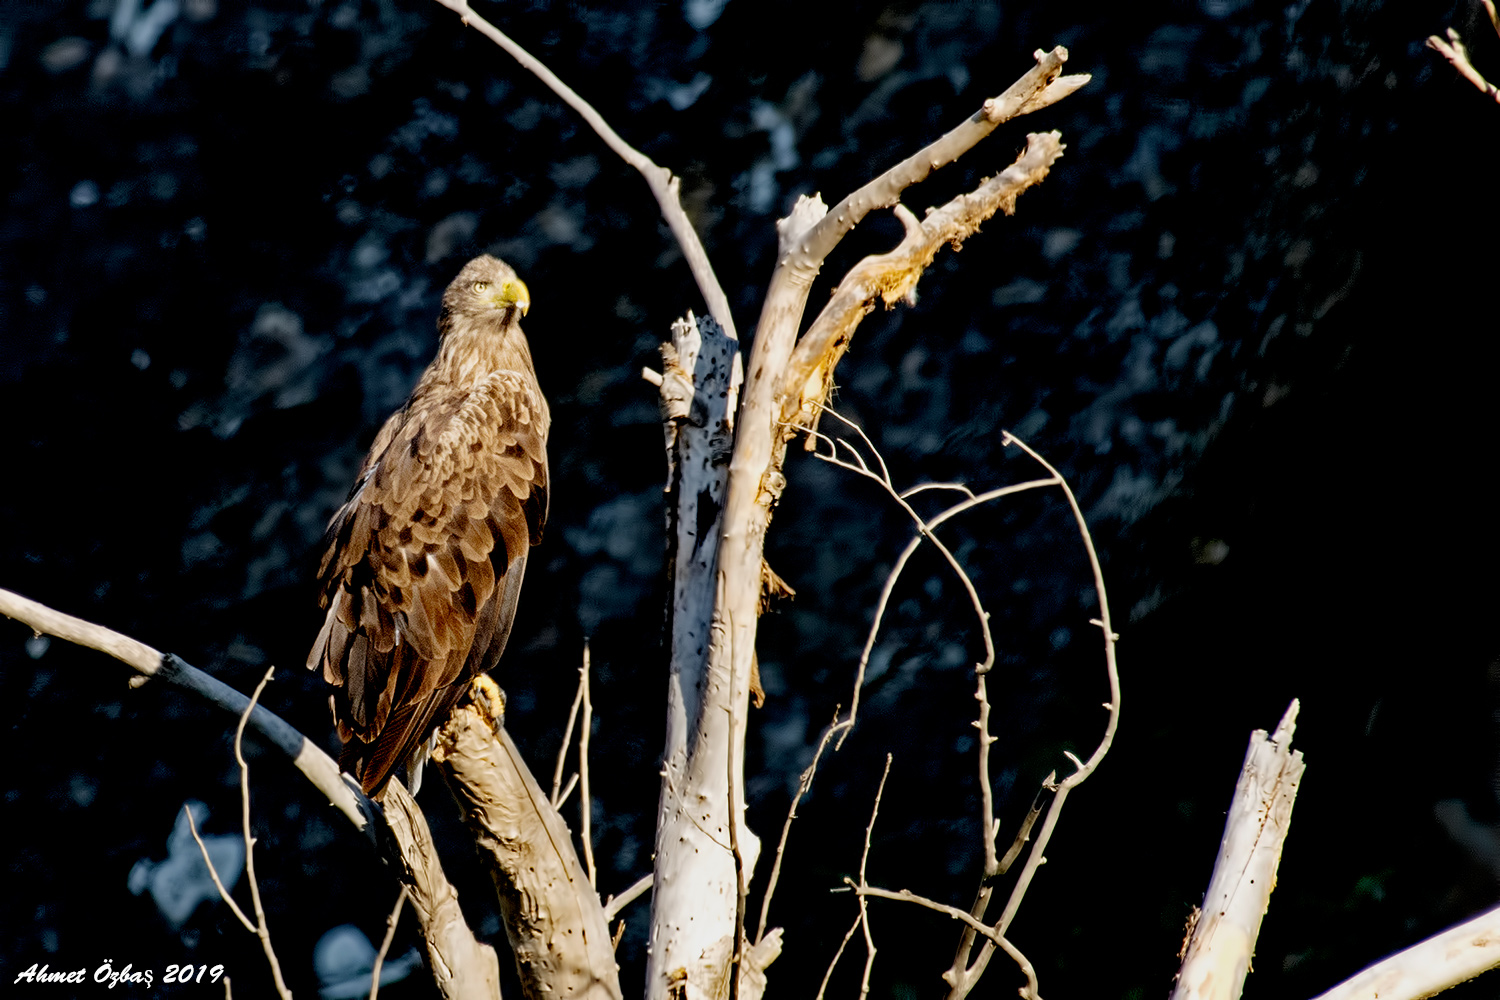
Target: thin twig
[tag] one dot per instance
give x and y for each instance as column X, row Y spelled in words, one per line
column 925, row 530
column 385, row 944
column 804, row 785
column 213, row 872
column 848, row 936
column 567, row 741
column 991, row 826
column 261, row 930
column 924, row 487
column 737, row 953
column 568, row 789
column 586, row 805
column 1082, row 769
column 864, row 909
column 661, row 181
column 979, row 927
column 615, row 904
column 1023, row 834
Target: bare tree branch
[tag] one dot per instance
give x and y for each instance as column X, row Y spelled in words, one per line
column 864, row 858
column 586, row 799
column 1454, row 956
column 956, row 971
column 615, row 904
column 553, row 917
column 1457, row 53
column 663, row 184
column 567, row 741
column 262, row 931
column 1038, row 88
column 891, row 277
column 804, row 785
column 259, row 927
column 1217, row 956
column 858, row 465
column 1082, row 769
column 839, row 953
column 457, row 959
column 462, row 966
column 924, row 531
column 213, row 872
column 306, row 756
column 385, row 943
column 973, row 924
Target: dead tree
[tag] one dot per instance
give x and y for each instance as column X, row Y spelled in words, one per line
column 728, row 421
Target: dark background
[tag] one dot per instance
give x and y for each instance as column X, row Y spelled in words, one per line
column 1250, row 315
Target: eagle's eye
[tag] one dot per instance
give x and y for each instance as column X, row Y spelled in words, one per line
column 481, row 286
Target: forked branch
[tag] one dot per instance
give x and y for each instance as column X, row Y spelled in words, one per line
column 891, row 277
column 1457, row 53
column 962, row 976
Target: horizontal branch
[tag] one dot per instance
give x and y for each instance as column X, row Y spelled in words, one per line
column 319, row 768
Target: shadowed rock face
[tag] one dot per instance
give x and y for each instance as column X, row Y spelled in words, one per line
column 227, row 227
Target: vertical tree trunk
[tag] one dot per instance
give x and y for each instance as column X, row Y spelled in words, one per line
column 699, row 873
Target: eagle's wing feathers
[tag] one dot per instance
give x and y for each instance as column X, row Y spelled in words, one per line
column 424, row 561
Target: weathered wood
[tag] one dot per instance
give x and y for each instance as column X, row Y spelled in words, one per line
column 463, row 967
column 553, row 917
column 1218, row 952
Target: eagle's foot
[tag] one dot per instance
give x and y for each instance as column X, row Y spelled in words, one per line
column 488, row 700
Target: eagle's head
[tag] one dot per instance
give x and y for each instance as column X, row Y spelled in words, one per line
column 485, row 291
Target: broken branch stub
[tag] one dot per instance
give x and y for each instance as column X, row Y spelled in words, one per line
column 1217, row 957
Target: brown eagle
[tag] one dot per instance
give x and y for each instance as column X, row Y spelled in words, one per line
column 423, row 563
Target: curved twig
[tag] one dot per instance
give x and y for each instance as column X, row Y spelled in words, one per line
column 661, row 180
column 1082, row 769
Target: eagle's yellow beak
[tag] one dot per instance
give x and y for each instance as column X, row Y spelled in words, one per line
column 512, row 293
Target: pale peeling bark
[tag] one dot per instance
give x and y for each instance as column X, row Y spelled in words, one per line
column 1455, row 956
column 696, row 887
column 463, row 967
column 553, row 917
column 1218, row 952
column 705, row 856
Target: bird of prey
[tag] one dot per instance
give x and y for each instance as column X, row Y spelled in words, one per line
column 422, row 564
